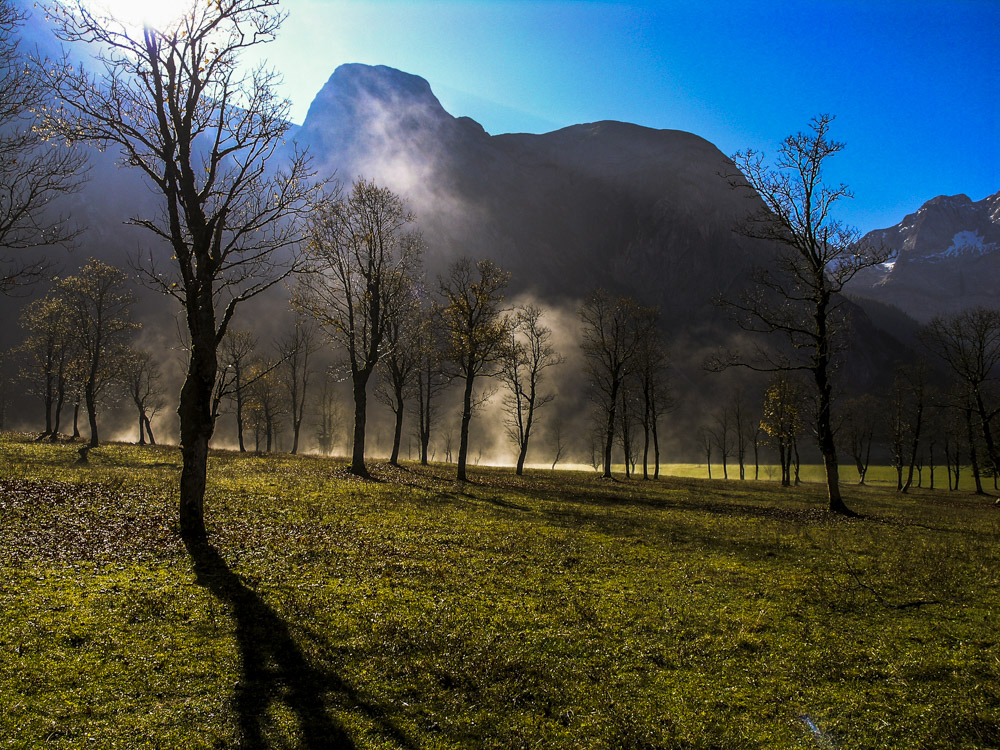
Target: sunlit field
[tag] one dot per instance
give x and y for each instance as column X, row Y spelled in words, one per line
column 557, row 610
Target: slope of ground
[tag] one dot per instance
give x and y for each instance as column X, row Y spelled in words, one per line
column 555, row 610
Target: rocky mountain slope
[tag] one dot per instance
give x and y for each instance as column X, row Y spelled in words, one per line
column 609, row 204
column 945, row 257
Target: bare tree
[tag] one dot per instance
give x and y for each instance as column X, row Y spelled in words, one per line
column 969, row 343
column 557, row 442
column 798, row 294
column 34, row 171
column 50, row 355
column 399, row 365
column 141, row 375
column 202, row 130
column 782, row 421
column 738, row 410
column 628, row 406
column 651, row 369
column 722, row 435
column 612, row 334
column 477, row 327
column 237, row 352
column 706, row 441
column 100, row 315
column 265, row 404
column 860, row 425
column 330, row 415
column 430, row 374
column 527, row 356
column 906, row 406
column 294, row 353
column 361, row 257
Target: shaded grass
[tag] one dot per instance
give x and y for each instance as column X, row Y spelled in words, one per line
column 553, row 610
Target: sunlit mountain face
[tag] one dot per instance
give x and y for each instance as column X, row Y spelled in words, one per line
column 945, row 258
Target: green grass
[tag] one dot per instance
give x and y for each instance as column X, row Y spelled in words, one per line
column 551, row 611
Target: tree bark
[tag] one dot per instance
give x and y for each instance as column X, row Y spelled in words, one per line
column 523, row 453
column 196, row 421
column 609, row 434
column 463, row 444
column 91, row 402
column 360, row 380
column 824, row 423
column 973, row 456
column 397, row 435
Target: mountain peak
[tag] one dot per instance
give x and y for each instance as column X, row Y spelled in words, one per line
column 950, row 201
column 370, row 101
column 379, row 81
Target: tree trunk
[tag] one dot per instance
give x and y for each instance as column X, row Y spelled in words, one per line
column 916, row 447
column 609, row 434
column 824, row 422
column 48, row 407
column 142, row 428
column 60, row 399
column 423, row 416
column 91, row 402
column 298, row 411
column 523, row 453
column 991, row 449
column 360, row 381
column 197, row 424
column 973, row 457
column 397, row 435
column 239, row 415
column 295, row 435
column 76, row 417
column 645, row 449
column 149, row 431
column 656, row 451
column 463, row 444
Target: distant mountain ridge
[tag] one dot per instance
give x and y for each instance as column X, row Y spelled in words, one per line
column 945, row 257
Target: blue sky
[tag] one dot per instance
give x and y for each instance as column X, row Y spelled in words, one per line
column 913, row 84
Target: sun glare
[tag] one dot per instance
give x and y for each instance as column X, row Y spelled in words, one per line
column 158, row 14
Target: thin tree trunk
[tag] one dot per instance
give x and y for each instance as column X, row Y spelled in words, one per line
column 60, row 399
column 463, row 444
column 656, row 450
column 972, row 452
column 397, row 436
column 824, row 421
column 91, row 402
column 609, row 431
column 529, row 419
column 239, row 414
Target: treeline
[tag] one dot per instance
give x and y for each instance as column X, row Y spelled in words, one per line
column 361, row 300
column 940, row 412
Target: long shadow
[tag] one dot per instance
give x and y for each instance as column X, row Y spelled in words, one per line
column 274, row 667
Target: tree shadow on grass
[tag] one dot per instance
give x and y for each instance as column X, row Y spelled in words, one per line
column 274, row 668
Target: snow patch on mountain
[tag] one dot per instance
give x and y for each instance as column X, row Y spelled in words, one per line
column 965, row 242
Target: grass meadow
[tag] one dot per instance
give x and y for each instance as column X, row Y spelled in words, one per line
column 554, row 610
